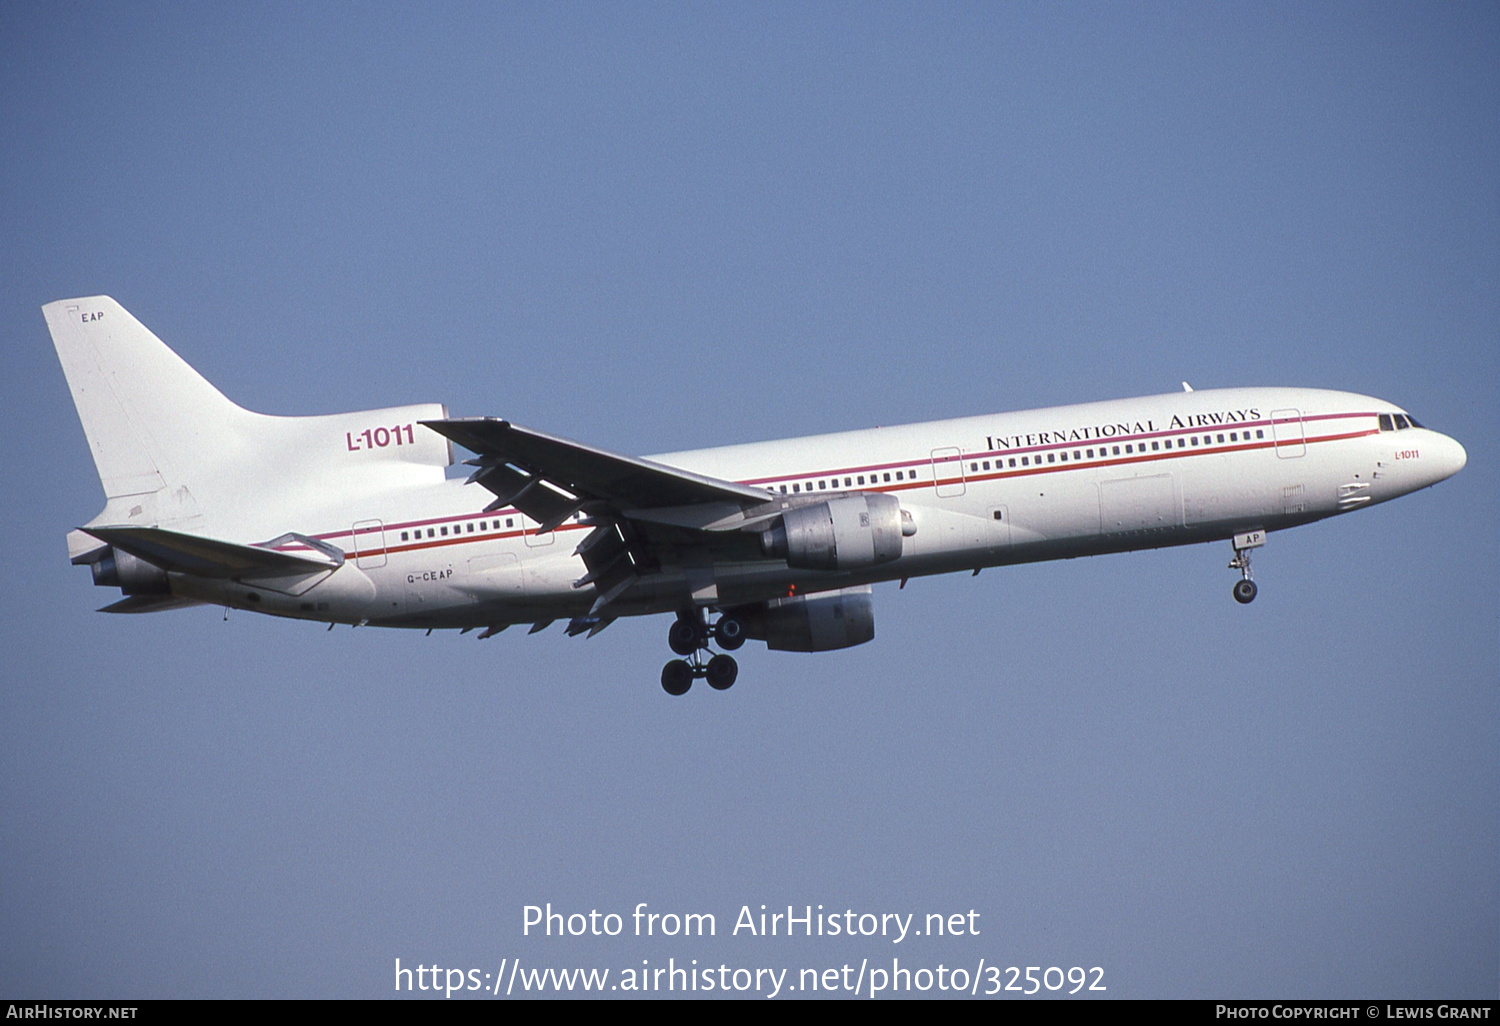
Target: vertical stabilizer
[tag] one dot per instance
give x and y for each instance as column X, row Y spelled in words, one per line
column 173, row 452
column 149, row 417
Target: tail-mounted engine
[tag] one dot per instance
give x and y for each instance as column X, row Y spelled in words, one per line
column 846, row 533
column 133, row 576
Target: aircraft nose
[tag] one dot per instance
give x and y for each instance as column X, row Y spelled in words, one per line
column 1451, row 458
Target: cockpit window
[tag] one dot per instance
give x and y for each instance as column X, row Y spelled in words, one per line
column 1385, row 422
column 1413, row 421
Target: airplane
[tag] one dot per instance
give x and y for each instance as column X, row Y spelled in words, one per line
column 352, row 518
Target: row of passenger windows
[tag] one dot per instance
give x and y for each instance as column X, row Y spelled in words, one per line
column 1078, row 455
column 1105, row 451
column 859, row 480
column 443, row 532
column 853, row 481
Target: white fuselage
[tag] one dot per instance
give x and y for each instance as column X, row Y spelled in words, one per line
column 981, row 491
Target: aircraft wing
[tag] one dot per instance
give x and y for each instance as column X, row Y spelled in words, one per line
column 644, row 514
column 625, row 481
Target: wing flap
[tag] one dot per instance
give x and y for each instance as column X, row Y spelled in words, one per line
column 644, row 514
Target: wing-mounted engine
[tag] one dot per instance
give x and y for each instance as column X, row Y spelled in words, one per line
column 845, row 533
column 812, row 623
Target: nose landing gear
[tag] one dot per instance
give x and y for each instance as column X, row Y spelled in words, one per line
column 1244, row 588
column 689, row 636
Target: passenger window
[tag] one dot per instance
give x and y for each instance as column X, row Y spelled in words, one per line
column 973, row 469
column 846, row 482
column 510, row 521
column 1013, row 461
column 1051, row 457
column 796, row 487
column 887, row 477
column 1260, row 434
column 1064, row 457
column 1025, row 461
column 403, row 536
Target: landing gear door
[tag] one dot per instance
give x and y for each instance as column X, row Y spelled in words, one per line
column 1286, row 428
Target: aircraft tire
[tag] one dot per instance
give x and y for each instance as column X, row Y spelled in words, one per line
column 676, row 677
column 729, row 633
column 722, row 672
column 683, row 638
column 1244, row 592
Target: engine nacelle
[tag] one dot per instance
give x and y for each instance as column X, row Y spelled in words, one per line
column 133, row 576
column 845, row 533
column 813, row 623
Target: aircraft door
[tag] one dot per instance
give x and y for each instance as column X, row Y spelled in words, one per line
column 1286, row 428
column 948, row 472
column 368, row 537
column 999, row 526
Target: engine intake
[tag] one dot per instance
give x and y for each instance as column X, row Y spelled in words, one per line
column 845, row 533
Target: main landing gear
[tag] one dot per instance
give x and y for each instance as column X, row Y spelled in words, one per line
column 1244, row 588
column 689, row 636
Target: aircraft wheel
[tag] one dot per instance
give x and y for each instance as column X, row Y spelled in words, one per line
column 722, row 671
column 730, row 633
column 1244, row 592
column 677, row 677
column 683, row 638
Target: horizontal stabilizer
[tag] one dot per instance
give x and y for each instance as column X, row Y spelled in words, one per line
column 208, row 557
column 149, row 604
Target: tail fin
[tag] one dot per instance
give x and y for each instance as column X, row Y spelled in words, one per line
column 172, row 451
column 147, row 414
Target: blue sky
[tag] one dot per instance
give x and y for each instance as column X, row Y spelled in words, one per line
column 665, row 226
